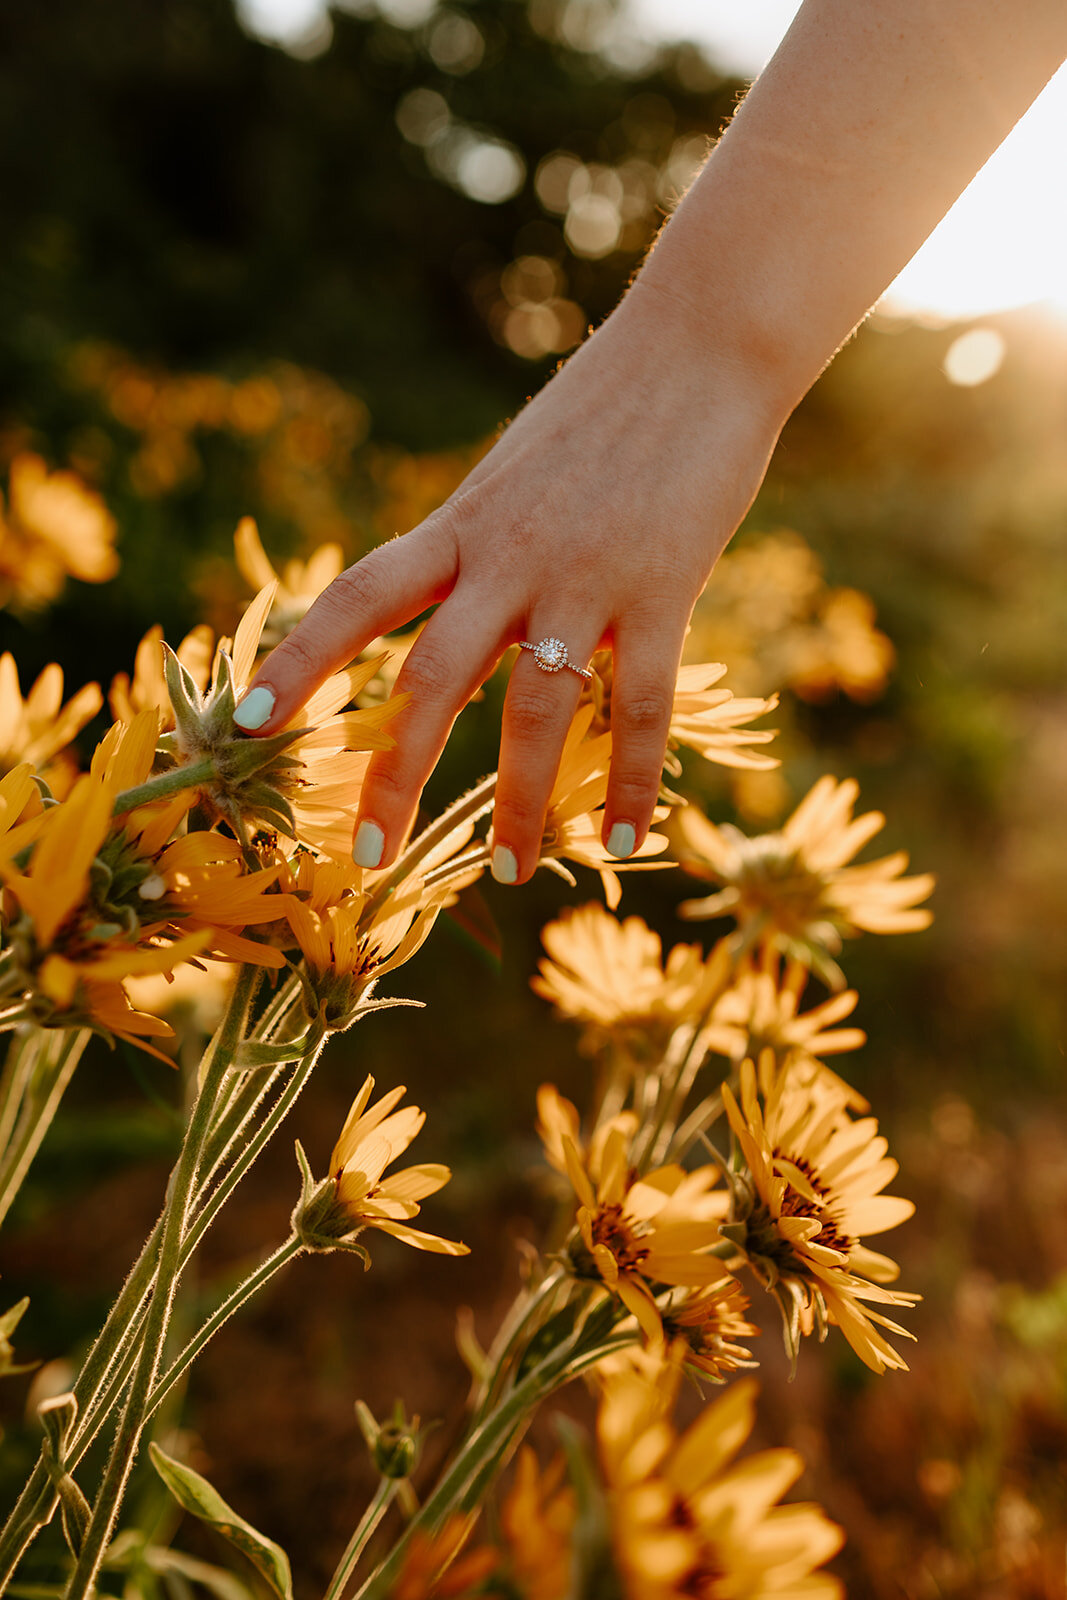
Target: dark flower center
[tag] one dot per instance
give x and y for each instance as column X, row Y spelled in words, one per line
column 610, row 1228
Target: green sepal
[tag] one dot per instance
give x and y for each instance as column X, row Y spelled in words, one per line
column 196, row 1495
column 219, row 709
column 8, row 1323
column 58, row 1416
column 185, row 698
column 318, row 1221
column 347, row 1018
column 252, row 1055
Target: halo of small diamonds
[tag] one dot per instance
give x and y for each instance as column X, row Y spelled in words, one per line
column 551, row 656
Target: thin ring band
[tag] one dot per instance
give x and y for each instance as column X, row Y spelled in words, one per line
column 551, row 656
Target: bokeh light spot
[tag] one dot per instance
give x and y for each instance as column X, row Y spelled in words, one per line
column 974, row 357
column 455, row 43
column 490, row 171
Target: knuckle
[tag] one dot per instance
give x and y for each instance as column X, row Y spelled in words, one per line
column 633, row 784
column 645, row 713
column 532, row 718
column 363, row 588
column 390, row 780
column 519, row 816
column 428, row 673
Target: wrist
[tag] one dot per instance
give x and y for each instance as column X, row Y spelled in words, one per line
column 717, row 339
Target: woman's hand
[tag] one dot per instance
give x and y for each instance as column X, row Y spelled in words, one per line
column 596, row 519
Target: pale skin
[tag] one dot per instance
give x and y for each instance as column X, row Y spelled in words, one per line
column 598, row 516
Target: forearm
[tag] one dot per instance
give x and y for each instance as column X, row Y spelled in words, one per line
column 848, row 150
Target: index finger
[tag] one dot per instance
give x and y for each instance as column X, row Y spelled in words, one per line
column 381, row 592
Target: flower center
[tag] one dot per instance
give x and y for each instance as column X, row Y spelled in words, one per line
column 795, row 1204
column 610, row 1228
column 701, row 1579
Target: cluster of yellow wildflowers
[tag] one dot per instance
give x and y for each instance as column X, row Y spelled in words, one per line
column 188, row 847
column 52, row 527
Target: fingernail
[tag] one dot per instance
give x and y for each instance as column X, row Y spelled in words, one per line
column 503, row 864
column 621, row 840
column 254, row 710
column 370, row 842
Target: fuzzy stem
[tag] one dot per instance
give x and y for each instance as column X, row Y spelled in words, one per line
column 472, row 805
column 107, row 1367
column 42, row 1090
column 131, row 1424
column 483, row 1450
column 383, row 1499
column 191, row 776
column 252, row 1284
column 523, row 1310
column 18, row 1072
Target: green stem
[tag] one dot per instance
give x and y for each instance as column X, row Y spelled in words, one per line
column 522, row 1312
column 252, row 1284
column 42, row 1091
column 191, row 776
column 108, row 1365
column 37, row 1502
column 484, row 1448
column 472, row 805
column 131, row 1424
column 18, row 1071
column 250, row 1152
column 369, row 1521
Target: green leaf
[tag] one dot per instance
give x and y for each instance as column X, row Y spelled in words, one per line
column 225, row 1585
column 194, row 1494
column 252, row 1054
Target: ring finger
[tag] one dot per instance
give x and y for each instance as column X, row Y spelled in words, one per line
column 538, row 710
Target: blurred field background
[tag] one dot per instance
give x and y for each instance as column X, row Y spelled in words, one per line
column 308, row 284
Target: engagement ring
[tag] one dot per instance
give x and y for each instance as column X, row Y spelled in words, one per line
column 551, row 656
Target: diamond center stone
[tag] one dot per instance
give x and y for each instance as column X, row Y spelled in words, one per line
column 551, row 654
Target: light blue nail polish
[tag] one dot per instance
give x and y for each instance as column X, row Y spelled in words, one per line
column 369, row 845
column 503, row 864
column 254, row 709
column 621, row 840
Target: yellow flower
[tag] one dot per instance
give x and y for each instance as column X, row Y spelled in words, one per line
column 635, row 1234
column 357, row 1196
column 298, row 584
column 105, row 899
column 610, row 975
column 686, row 1519
column 69, row 962
column 436, row 1567
column 810, row 1190
column 54, row 526
column 575, row 808
column 710, row 721
column 537, row 1520
column 39, row 728
column 772, row 616
column 709, row 1323
column 792, row 889
column 303, row 780
column 760, row 1012
column 348, row 935
column 148, row 686
column 704, row 718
